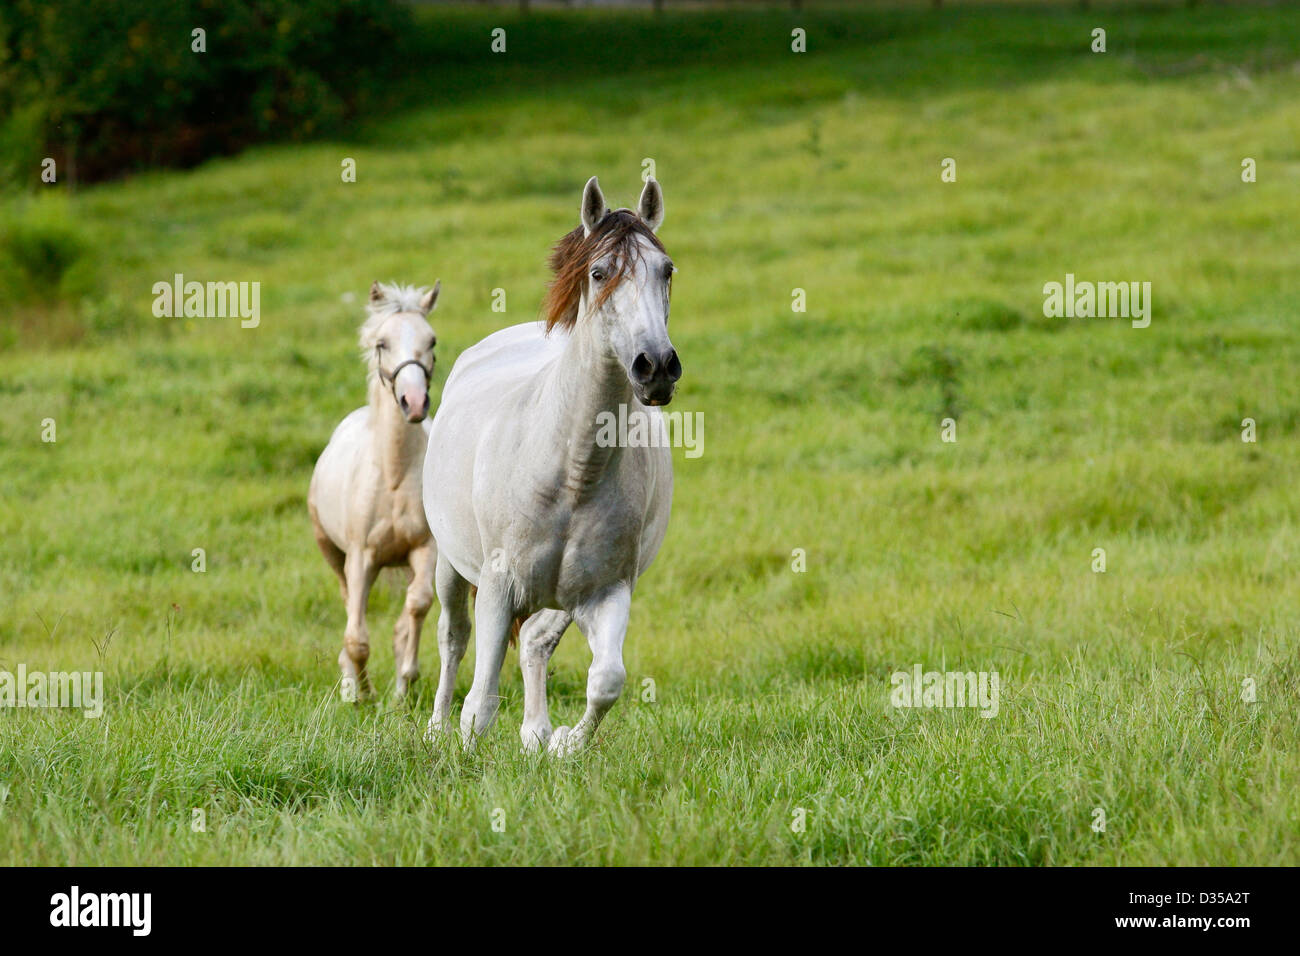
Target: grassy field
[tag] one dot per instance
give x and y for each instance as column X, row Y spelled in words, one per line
column 1121, row 690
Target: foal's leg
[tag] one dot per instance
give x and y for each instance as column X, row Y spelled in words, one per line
column 537, row 641
column 360, row 572
column 453, row 637
column 604, row 622
column 419, row 598
column 493, row 615
column 336, row 560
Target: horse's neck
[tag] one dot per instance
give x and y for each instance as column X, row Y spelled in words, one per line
column 397, row 442
column 585, row 381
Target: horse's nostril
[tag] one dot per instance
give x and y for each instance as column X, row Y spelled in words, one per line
column 643, row 367
column 673, row 366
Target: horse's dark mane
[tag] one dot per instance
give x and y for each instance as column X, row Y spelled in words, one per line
column 615, row 234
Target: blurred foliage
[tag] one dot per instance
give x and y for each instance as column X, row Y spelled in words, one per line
column 38, row 249
column 109, row 86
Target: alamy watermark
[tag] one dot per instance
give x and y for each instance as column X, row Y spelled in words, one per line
column 1102, row 300
column 638, row 428
column 208, row 300
column 133, row 911
column 947, row 689
column 76, row 690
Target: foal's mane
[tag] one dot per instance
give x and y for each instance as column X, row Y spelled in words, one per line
column 617, row 234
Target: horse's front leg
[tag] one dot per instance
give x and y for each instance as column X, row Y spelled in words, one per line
column 537, row 641
column 453, row 638
column 493, row 615
column 419, row 598
column 604, row 622
column 360, row 572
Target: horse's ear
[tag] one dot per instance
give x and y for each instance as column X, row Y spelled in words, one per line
column 593, row 206
column 430, row 298
column 376, row 293
column 651, row 206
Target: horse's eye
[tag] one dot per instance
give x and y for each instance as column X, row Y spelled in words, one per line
column 598, row 275
column 381, row 345
column 669, row 270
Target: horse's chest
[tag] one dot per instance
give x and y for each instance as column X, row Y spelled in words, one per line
column 578, row 553
column 400, row 527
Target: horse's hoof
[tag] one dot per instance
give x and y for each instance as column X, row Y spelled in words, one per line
column 436, row 730
column 563, row 743
column 534, row 738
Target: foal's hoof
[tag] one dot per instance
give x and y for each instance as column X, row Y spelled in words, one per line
column 404, row 685
column 353, row 693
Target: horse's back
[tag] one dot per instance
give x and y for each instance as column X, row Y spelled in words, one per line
column 504, row 358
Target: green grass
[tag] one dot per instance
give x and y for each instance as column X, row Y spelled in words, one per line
column 1121, row 690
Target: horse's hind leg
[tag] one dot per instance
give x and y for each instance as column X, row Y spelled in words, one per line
column 537, row 642
column 419, row 598
column 604, row 622
column 453, row 638
column 360, row 572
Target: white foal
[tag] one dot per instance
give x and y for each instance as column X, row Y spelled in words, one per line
column 365, row 492
column 526, row 502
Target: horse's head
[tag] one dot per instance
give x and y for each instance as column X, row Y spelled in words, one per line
column 614, row 270
column 397, row 343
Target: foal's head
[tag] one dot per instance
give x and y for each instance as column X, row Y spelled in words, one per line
column 397, row 343
column 614, row 270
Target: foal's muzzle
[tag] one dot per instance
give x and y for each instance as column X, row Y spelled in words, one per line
column 654, row 377
column 413, row 403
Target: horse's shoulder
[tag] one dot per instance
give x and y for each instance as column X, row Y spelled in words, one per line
column 356, row 419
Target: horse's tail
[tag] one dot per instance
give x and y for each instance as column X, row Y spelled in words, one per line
column 515, row 625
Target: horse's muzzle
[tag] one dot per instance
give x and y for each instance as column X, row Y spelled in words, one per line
column 654, row 378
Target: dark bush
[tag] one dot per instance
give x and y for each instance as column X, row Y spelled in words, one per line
column 109, row 86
